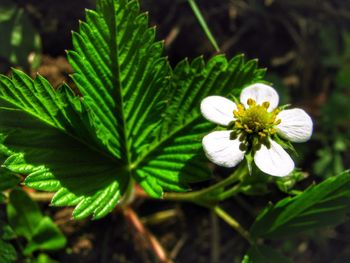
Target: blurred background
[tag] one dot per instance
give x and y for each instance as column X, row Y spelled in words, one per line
column 305, row 45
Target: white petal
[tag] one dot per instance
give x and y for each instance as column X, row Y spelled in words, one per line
column 274, row 161
column 221, row 150
column 260, row 93
column 218, row 109
column 296, row 125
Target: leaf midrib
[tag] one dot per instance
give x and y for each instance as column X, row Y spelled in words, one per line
column 117, row 83
column 152, row 149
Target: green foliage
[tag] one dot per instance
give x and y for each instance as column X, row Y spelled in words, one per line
column 325, row 204
column 286, row 184
column 46, row 236
column 8, row 180
column 137, row 118
column 43, row 258
column 7, row 252
column 264, row 254
column 23, row 214
column 334, row 132
column 27, row 221
column 20, row 42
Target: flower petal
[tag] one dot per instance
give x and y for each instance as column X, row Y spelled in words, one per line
column 221, row 150
column 296, row 125
column 274, row 161
column 218, row 109
column 260, row 93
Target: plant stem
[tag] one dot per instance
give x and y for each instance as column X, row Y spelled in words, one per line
column 39, row 196
column 234, row 190
column 233, row 223
column 129, row 194
column 203, row 24
column 196, row 195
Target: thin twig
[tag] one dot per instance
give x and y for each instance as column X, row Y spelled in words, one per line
column 40, row 196
column 152, row 241
column 176, row 249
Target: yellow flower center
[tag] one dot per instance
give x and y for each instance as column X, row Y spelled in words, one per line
column 254, row 123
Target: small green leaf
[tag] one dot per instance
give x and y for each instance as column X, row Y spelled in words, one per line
column 6, row 232
column 8, row 253
column 23, row 214
column 46, row 236
column 20, row 42
column 322, row 205
column 7, row 10
column 43, row 258
column 8, row 180
column 286, row 184
column 264, row 254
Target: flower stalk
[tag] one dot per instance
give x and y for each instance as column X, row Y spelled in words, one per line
column 213, row 193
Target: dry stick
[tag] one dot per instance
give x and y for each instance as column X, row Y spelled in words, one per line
column 39, row 196
column 153, row 243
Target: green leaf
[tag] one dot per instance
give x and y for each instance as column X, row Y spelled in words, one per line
column 121, row 74
column 8, row 180
column 6, row 232
column 175, row 157
column 150, row 115
column 20, row 42
column 43, row 258
column 8, row 253
column 26, row 219
column 136, row 117
column 264, row 254
column 322, row 205
column 53, row 135
column 7, row 10
column 23, row 214
column 46, row 236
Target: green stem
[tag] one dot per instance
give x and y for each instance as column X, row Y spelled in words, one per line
column 129, row 195
column 203, row 24
column 196, row 196
column 231, row 192
column 233, row 223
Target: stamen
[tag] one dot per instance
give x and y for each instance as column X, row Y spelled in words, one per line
column 253, row 125
column 266, row 104
column 251, row 102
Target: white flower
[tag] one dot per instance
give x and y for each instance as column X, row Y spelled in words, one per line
column 252, row 127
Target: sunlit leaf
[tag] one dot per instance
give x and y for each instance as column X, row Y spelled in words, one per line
column 136, row 117
column 325, row 204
